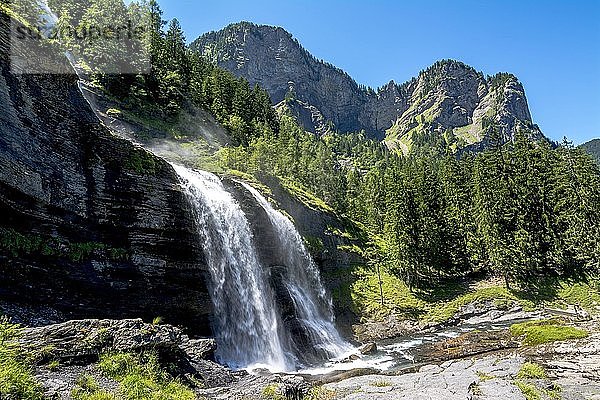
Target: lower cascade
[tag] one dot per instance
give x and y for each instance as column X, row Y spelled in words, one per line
column 248, row 324
column 301, row 278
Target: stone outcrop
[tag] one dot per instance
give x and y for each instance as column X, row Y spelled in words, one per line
column 92, row 225
column 449, row 100
column 72, row 341
column 488, row 378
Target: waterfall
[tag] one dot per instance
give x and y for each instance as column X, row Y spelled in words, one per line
column 248, row 326
column 302, row 280
column 248, row 323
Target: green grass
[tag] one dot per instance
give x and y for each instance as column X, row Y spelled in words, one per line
column 436, row 307
column 360, row 292
column 545, row 331
column 53, row 365
column 86, row 388
column 446, row 310
column 304, row 196
column 16, row 372
column 141, row 377
column 531, row 371
column 586, row 295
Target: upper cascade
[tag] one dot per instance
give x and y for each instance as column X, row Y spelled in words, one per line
column 448, row 96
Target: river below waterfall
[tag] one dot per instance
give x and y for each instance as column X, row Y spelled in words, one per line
column 398, row 353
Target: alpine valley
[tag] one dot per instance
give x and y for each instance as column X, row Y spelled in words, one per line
column 243, row 221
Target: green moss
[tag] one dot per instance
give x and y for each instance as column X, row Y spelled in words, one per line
column 141, row 162
column 529, row 391
column 381, row 383
column 531, row 371
column 553, row 391
column 16, row 372
column 81, row 251
column 484, row 377
column 19, row 244
column 545, row 331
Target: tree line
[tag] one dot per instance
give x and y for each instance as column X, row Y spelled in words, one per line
column 522, row 211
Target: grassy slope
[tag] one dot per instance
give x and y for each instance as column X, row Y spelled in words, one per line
column 361, row 294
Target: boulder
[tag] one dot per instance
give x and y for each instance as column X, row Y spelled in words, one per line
column 86, row 339
column 368, row 348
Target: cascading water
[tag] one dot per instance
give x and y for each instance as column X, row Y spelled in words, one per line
column 248, row 327
column 302, row 280
column 248, row 324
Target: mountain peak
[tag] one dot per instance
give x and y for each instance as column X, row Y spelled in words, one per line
column 447, row 98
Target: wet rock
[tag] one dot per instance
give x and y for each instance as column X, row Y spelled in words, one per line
column 457, row 380
column 466, row 345
column 198, row 349
column 212, row 374
column 368, row 348
column 388, row 328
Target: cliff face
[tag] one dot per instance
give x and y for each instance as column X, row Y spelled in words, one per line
column 447, row 98
column 91, row 226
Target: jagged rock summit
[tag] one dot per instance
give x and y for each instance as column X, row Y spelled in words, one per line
column 448, row 101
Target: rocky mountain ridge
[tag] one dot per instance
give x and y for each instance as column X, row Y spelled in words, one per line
column 593, row 148
column 450, row 100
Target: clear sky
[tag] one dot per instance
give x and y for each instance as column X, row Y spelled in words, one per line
column 552, row 46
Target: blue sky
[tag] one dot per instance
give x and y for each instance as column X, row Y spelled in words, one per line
column 552, row 46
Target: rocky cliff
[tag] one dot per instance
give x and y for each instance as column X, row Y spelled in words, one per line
column 449, row 100
column 92, row 226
